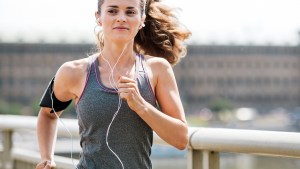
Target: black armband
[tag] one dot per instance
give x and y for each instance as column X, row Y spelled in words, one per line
column 49, row 100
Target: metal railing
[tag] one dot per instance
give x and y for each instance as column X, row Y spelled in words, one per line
column 204, row 148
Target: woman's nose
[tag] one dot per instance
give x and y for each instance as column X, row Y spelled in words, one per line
column 121, row 17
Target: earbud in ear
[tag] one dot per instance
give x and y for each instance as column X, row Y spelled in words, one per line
column 142, row 25
column 98, row 21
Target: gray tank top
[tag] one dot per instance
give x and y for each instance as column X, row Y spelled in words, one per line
column 129, row 136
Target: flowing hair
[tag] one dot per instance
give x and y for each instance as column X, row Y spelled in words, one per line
column 163, row 35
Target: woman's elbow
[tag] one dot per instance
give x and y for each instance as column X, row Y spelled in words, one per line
column 184, row 139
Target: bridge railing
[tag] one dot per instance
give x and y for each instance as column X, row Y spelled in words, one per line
column 204, row 148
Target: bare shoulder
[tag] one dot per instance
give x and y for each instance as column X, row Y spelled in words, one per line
column 157, row 63
column 72, row 70
column 70, row 78
column 158, row 68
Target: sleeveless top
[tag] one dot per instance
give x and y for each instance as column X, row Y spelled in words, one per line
column 129, row 136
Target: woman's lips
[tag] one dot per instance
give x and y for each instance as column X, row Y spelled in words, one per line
column 121, row 28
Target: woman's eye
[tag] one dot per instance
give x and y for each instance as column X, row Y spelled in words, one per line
column 131, row 12
column 112, row 11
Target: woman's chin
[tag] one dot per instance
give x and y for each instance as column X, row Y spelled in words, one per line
column 121, row 39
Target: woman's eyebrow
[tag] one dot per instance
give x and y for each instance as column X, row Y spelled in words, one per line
column 114, row 6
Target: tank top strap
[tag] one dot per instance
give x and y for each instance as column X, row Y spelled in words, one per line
column 91, row 61
column 137, row 66
column 143, row 69
column 142, row 64
column 89, row 71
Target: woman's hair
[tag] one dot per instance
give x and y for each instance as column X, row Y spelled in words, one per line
column 162, row 36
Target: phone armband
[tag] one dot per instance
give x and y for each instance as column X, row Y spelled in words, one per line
column 49, row 100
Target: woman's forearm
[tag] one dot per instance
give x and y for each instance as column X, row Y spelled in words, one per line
column 171, row 130
column 46, row 132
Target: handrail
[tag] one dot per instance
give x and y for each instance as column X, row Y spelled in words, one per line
column 270, row 143
column 206, row 140
column 13, row 122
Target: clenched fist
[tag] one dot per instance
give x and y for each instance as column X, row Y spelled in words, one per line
column 46, row 164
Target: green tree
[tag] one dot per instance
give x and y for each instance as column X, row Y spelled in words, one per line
column 10, row 108
column 220, row 104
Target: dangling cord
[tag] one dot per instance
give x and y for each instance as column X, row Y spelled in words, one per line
column 115, row 87
column 64, row 127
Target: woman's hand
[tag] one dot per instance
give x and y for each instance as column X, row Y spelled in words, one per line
column 129, row 91
column 46, row 164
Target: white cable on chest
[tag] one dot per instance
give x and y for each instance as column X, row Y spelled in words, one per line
column 115, row 87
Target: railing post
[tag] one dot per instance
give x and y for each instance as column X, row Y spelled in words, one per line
column 194, row 159
column 203, row 159
column 211, row 159
column 7, row 146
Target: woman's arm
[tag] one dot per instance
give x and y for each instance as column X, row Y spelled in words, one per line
column 65, row 83
column 46, row 133
column 169, row 123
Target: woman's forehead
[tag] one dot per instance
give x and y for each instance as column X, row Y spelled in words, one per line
column 127, row 3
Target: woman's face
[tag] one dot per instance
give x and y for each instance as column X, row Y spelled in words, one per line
column 121, row 19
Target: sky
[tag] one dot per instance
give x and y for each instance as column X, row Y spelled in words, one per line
column 273, row 22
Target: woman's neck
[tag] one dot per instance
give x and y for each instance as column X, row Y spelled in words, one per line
column 113, row 51
column 118, row 55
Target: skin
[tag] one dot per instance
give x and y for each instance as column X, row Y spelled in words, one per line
column 121, row 20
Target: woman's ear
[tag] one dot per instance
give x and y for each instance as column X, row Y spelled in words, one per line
column 98, row 20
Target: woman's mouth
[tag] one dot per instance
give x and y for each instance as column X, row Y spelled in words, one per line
column 121, row 28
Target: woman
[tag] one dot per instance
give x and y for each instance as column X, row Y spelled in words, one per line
column 122, row 93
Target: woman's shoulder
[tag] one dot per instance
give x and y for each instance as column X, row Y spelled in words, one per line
column 157, row 67
column 73, row 67
column 155, row 62
column 74, row 70
column 68, row 78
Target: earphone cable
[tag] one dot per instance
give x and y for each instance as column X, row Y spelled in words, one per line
column 115, row 87
column 60, row 120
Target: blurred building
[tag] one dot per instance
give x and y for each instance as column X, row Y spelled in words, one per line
column 263, row 77
column 26, row 69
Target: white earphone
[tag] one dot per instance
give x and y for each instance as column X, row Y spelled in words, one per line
column 98, row 21
column 142, row 25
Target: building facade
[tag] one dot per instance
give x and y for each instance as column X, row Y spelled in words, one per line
column 26, row 69
column 263, row 77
